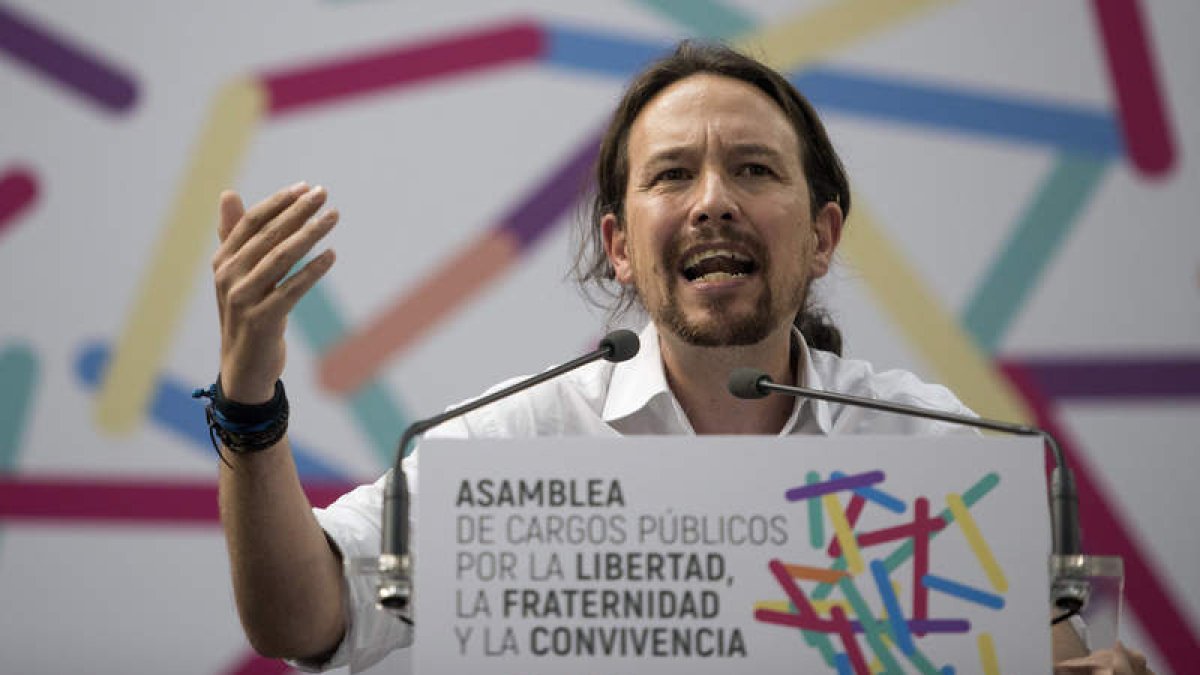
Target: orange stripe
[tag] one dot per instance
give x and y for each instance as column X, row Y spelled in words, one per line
column 821, row 574
column 353, row 361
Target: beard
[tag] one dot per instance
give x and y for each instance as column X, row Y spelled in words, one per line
column 721, row 326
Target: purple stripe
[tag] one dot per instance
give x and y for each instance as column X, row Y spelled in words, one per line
column 1115, row 377
column 535, row 214
column 69, row 65
column 927, row 626
column 851, row 482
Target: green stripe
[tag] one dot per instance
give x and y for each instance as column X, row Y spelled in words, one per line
column 379, row 416
column 871, row 627
column 18, row 382
column 1034, row 243
column 702, row 18
column 816, row 517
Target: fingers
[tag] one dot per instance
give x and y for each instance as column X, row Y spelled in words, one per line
column 251, row 222
column 258, row 286
column 284, row 298
column 231, row 210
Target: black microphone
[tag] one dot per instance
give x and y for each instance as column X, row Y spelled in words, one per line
column 395, row 586
column 1064, row 501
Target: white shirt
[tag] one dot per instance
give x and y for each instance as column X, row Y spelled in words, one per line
column 607, row 399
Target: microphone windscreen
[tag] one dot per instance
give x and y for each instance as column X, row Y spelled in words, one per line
column 743, row 382
column 621, row 345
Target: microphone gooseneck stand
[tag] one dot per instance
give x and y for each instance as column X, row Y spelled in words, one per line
column 395, row 566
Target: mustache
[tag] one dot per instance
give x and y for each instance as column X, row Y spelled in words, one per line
column 722, row 232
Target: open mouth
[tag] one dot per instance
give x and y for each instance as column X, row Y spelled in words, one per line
column 717, row 264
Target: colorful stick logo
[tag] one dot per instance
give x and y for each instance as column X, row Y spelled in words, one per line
column 835, row 615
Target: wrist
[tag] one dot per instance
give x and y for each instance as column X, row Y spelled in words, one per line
column 245, row 428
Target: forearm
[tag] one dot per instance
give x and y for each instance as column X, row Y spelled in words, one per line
column 287, row 579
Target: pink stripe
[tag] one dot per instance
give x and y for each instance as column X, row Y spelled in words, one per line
column 77, row 501
column 1141, row 105
column 253, row 664
column 1162, row 619
column 18, row 191
column 391, row 68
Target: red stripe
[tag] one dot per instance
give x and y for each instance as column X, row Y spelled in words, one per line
column 846, row 632
column 18, row 190
column 253, row 664
column 77, row 501
column 1141, row 105
column 794, row 592
column 813, row 623
column 1159, row 613
column 916, row 528
column 920, row 609
column 394, row 67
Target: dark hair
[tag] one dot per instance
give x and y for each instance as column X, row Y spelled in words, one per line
column 827, row 180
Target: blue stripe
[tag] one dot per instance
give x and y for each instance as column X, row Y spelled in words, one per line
column 602, row 53
column 895, row 615
column 173, row 408
column 1069, row 128
column 962, row 591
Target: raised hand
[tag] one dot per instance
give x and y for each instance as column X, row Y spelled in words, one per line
column 258, row 248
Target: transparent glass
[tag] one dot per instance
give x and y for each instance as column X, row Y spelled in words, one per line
column 1099, row 580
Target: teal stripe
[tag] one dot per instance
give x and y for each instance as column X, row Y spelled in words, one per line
column 703, row 18
column 379, row 416
column 18, row 382
column 1035, row 242
column 922, row 662
column 318, row 319
column 822, row 643
column 871, row 626
column 816, row 517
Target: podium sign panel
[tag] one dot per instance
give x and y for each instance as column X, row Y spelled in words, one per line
column 732, row 554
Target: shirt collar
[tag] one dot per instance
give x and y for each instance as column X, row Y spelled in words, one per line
column 638, row 387
column 637, row 382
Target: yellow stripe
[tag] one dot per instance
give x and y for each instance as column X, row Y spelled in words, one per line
column 933, row 332
column 821, row 607
column 171, row 276
column 845, row 536
column 791, row 44
column 965, row 522
column 987, row 655
column 774, row 605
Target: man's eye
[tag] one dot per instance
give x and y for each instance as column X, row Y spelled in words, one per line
column 757, row 170
column 676, row 173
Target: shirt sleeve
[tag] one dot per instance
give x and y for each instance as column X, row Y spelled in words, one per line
column 354, row 525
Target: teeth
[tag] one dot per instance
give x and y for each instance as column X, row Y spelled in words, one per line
column 697, row 258
column 718, row 276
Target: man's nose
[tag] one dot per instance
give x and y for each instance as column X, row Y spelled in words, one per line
column 714, row 200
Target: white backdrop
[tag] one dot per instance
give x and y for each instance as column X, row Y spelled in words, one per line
column 1013, row 240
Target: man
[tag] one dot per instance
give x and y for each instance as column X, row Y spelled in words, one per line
column 719, row 200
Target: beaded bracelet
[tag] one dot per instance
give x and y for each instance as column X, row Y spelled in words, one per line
column 242, row 428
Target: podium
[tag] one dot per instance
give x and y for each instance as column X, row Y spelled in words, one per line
column 692, row 555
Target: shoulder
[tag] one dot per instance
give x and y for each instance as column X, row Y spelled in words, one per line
column 899, row 386
column 569, row 404
column 860, row 378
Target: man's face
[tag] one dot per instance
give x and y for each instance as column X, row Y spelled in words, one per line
column 718, row 237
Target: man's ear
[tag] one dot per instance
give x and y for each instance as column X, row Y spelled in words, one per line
column 616, row 247
column 827, row 228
